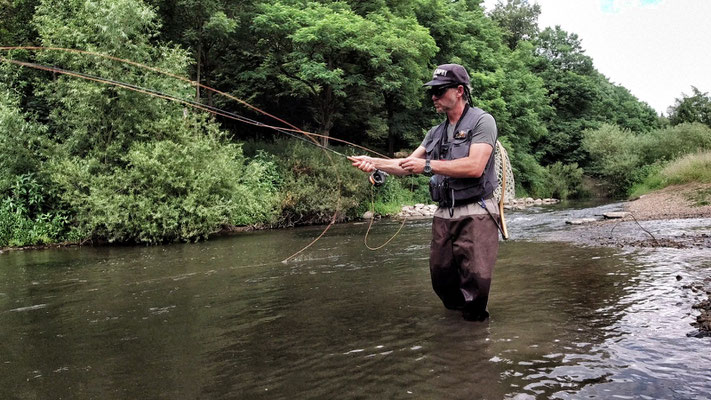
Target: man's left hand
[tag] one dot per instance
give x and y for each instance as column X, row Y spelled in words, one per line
column 413, row 165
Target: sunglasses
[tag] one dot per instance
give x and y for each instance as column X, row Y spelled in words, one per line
column 438, row 91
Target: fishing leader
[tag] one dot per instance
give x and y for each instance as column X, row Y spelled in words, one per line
column 458, row 154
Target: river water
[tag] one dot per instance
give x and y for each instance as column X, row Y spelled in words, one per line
column 225, row 319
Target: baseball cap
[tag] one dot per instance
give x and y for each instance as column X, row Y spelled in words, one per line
column 447, row 74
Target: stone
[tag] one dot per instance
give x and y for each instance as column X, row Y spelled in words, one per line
column 368, row 215
column 580, row 221
column 615, row 214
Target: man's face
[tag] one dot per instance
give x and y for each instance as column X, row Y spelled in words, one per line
column 445, row 97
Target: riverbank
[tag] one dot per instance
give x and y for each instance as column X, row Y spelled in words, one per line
column 676, row 217
column 657, row 219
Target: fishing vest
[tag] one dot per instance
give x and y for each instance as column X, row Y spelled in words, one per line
column 448, row 191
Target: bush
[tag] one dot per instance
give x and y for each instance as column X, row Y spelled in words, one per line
column 396, row 192
column 24, row 220
column 20, row 141
column 671, row 143
column 169, row 190
column 631, row 162
column 313, row 186
column 532, row 179
column 566, row 180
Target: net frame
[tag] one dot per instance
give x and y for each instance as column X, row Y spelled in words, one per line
column 504, row 175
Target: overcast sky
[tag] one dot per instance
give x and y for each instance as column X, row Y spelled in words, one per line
column 657, row 49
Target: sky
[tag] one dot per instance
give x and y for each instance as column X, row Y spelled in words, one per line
column 657, row 49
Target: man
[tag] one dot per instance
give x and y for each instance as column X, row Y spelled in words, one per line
column 458, row 154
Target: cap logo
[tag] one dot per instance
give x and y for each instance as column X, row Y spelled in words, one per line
column 439, row 71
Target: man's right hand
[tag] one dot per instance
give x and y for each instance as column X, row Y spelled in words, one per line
column 363, row 163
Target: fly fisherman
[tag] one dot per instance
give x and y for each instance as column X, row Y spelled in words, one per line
column 458, row 155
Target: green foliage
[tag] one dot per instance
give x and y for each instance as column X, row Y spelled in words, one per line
column 316, row 185
column 566, row 181
column 342, row 64
column 695, row 167
column 170, row 190
column 123, row 166
column 690, row 168
column 673, row 142
column 625, row 159
column 582, row 98
column 518, row 19
column 532, row 179
column 15, row 16
column 389, row 198
column 21, row 146
column 24, row 219
column 694, row 108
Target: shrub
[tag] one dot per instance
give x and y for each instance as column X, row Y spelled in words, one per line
column 532, row 179
column 20, row 141
column 310, row 185
column 24, row 219
column 316, row 186
column 169, row 190
column 566, row 180
column 671, row 143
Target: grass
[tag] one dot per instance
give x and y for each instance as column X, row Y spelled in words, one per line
column 701, row 198
column 691, row 168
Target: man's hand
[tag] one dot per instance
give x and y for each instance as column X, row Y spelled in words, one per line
column 413, row 165
column 363, row 163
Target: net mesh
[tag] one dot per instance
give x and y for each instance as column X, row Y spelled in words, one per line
column 502, row 165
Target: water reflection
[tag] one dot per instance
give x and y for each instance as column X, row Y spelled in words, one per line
column 226, row 319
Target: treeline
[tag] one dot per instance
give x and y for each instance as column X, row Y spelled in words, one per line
column 81, row 160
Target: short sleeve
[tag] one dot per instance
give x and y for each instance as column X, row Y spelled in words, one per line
column 485, row 131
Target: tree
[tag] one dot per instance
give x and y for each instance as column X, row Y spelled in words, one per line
column 335, row 59
column 694, row 108
column 581, row 97
column 15, row 27
column 397, row 72
column 126, row 166
column 517, row 19
column 204, row 27
column 21, row 147
column 92, row 120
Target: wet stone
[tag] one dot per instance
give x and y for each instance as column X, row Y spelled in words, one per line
column 580, row 221
column 615, row 214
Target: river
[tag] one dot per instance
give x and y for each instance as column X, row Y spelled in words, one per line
column 225, row 319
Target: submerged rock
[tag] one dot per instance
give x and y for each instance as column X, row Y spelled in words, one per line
column 615, row 214
column 580, row 221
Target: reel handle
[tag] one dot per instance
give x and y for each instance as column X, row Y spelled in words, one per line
column 377, row 178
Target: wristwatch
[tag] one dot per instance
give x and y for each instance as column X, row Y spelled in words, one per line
column 428, row 167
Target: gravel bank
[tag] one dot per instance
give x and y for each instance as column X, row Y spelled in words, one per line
column 672, row 202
